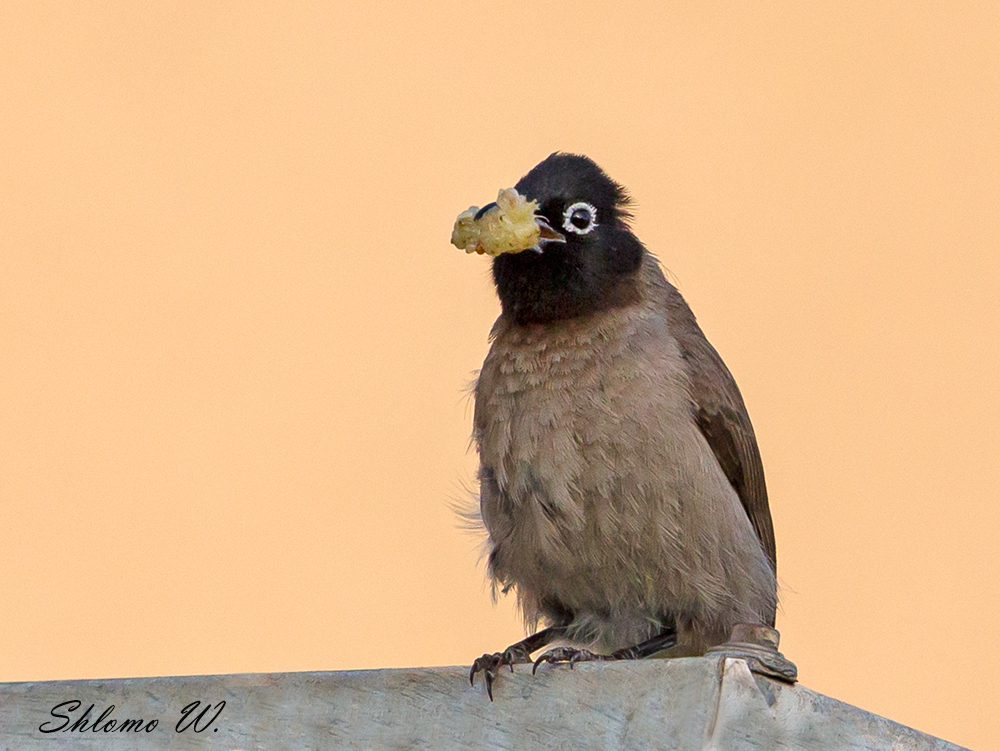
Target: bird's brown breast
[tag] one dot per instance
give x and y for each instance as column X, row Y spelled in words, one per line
column 599, row 492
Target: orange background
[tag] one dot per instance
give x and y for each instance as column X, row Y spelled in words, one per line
column 235, row 338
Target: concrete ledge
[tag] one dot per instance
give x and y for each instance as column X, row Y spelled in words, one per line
column 695, row 703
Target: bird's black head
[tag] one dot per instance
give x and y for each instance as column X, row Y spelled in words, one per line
column 596, row 268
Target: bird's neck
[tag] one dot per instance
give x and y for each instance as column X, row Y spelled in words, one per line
column 553, row 286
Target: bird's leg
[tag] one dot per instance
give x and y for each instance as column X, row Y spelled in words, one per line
column 663, row 640
column 489, row 664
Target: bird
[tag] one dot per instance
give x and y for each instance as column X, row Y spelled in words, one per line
column 620, row 483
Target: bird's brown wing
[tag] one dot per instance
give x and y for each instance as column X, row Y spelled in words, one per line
column 722, row 418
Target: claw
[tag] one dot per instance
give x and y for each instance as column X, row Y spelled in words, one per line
column 568, row 655
column 553, row 655
column 489, row 664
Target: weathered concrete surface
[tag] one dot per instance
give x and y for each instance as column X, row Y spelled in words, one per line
column 698, row 703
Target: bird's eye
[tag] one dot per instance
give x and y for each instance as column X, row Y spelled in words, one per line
column 580, row 218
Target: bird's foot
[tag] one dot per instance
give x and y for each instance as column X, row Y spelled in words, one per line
column 663, row 640
column 570, row 655
column 490, row 664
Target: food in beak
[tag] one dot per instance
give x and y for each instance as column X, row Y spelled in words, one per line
column 508, row 226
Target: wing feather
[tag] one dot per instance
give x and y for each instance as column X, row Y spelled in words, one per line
column 722, row 417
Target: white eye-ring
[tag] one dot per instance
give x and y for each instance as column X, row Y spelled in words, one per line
column 580, row 218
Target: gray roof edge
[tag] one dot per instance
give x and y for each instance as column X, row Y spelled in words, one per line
column 712, row 702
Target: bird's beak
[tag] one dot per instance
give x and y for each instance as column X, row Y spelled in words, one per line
column 546, row 234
